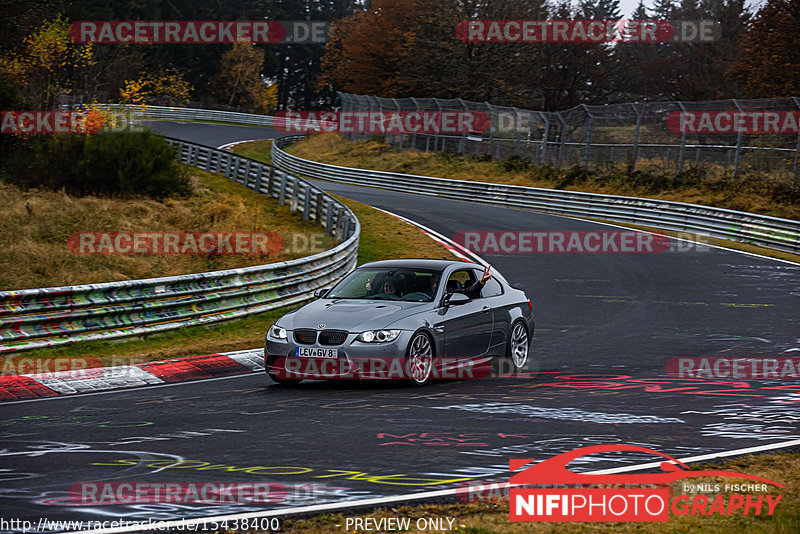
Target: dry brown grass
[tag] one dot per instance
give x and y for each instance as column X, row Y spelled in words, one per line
column 36, row 224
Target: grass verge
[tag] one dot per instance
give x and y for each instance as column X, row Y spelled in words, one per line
column 257, row 150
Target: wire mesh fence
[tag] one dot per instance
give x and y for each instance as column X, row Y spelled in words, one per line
column 735, row 135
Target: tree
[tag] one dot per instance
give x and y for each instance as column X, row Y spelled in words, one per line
column 769, row 65
column 602, row 9
column 403, row 48
column 48, row 64
column 698, row 69
column 568, row 74
column 165, row 87
column 370, row 51
column 296, row 68
column 240, row 73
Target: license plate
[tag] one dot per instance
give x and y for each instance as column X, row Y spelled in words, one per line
column 314, row 352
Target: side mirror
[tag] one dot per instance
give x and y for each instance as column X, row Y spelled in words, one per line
column 319, row 293
column 454, row 299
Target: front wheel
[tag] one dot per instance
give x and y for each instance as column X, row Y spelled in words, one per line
column 271, row 369
column 419, row 359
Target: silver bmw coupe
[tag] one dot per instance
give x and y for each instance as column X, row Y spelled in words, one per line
column 411, row 319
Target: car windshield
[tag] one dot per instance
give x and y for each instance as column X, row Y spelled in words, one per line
column 406, row 284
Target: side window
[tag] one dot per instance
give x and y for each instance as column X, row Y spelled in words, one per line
column 460, row 280
column 492, row 288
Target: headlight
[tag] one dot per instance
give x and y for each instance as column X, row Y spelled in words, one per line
column 276, row 332
column 378, row 336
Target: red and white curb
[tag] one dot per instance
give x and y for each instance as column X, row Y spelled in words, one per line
column 18, row 387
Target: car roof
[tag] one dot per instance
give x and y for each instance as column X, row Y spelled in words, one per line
column 418, row 263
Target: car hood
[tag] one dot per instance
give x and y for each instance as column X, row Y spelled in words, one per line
column 351, row 315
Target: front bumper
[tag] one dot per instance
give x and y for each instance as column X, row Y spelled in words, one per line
column 367, row 361
column 355, row 360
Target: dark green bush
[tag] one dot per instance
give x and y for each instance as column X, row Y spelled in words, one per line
column 104, row 164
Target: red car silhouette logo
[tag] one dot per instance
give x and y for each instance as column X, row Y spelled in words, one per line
column 554, row 470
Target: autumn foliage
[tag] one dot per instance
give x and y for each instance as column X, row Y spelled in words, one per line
column 769, row 64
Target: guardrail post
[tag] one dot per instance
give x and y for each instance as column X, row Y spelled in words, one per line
column 282, row 191
column 247, row 168
column 259, row 175
column 291, row 181
column 318, row 210
column 202, row 155
column 213, row 161
column 270, row 181
column 224, row 164
column 738, row 144
column 345, row 226
column 588, row 137
column 234, row 165
column 329, row 217
column 635, row 154
column 682, row 152
column 306, row 203
column 339, row 223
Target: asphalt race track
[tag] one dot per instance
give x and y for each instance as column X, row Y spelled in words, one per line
column 607, row 325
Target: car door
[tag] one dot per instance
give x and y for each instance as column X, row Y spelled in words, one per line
column 493, row 296
column 467, row 327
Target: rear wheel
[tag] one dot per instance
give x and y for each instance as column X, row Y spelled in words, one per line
column 518, row 345
column 517, row 352
column 274, row 372
column 419, row 359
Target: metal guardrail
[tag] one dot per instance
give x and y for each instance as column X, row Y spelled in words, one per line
column 190, row 114
column 35, row 318
column 760, row 230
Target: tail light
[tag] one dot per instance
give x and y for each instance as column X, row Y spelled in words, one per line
column 530, row 304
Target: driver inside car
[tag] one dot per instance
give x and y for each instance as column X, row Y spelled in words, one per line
column 390, row 287
column 473, row 291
